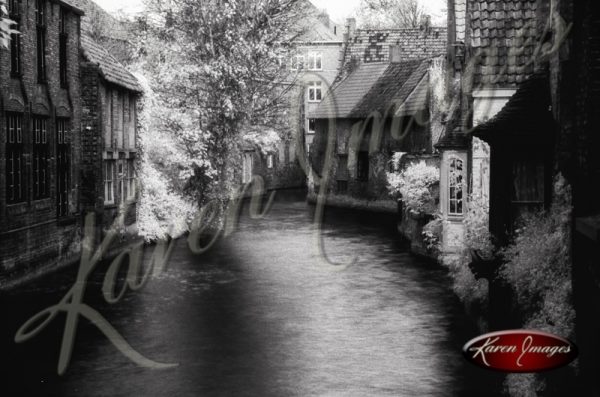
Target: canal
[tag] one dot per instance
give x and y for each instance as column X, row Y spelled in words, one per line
column 262, row 314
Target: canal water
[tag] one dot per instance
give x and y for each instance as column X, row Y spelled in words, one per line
column 269, row 311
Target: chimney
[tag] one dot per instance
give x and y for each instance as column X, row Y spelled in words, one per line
column 351, row 27
column 460, row 15
column 324, row 18
column 395, row 54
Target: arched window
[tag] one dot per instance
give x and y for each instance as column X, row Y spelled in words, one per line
column 456, row 187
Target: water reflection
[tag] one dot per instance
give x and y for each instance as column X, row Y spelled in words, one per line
column 263, row 314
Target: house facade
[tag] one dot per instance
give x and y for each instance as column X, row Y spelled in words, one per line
column 491, row 51
column 310, row 66
column 379, row 105
column 543, row 54
column 109, row 137
column 40, row 137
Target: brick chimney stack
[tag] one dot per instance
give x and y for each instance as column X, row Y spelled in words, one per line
column 351, row 28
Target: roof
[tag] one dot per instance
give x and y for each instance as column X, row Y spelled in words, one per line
column 113, row 27
column 417, row 100
column 314, row 25
column 373, row 45
column 505, row 32
column 374, row 87
column 73, row 6
column 111, row 70
column 527, row 113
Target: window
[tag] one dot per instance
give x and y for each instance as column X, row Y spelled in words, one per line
column 109, row 171
column 15, row 39
column 315, row 61
column 269, row 161
column 456, row 187
column 62, row 50
column 311, row 126
column 362, row 173
column 298, row 62
column 247, row 168
column 315, row 91
column 40, row 18
column 15, row 165
column 40, row 158
column 131, row 181
column 63, row 166
column 121, row 179
column 528, row 190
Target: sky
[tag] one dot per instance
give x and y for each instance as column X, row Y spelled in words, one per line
column 339, row 10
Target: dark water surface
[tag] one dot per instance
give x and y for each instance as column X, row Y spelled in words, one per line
column 262, row 314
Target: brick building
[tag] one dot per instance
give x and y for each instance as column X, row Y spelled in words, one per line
column 309, row 67
column 380, row 103
column 535, row 62
column 109, row 134
column 40, row 117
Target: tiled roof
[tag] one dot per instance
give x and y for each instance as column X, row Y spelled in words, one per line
column 527, row 113
column 110, row 68
column 373, row 45
column 373, row 87
column 417, row 100
column 505, row 32
column 347, row 94
column 73, row 5
column 392, row 88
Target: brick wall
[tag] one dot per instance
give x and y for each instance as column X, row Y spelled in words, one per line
column 31, row 233
column 109, row 133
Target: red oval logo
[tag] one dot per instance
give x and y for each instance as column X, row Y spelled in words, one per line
column 520, row 351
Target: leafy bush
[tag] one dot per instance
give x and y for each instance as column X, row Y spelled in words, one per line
column 413, row 186
column 432, row 234
column 477, row 230
column 538, row 265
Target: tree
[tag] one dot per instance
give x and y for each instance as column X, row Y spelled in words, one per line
column 214, row 68
column 391, row 13
column 6, row 26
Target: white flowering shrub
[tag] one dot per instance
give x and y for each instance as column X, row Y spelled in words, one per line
column 477, row 227
column 162, row 212
column 414, row 186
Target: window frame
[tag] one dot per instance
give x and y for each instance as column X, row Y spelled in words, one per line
column 315, row 87
column 15, row 150
column 131, row 180
column 109, row 181
column 314, row 123
column 63, row 166
column 298, row 62
column 63, row 40
column 41, row 44
column 14, row 13
column 40, row 158
column 363, row 166
column 315, row 58
column 455, row 187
